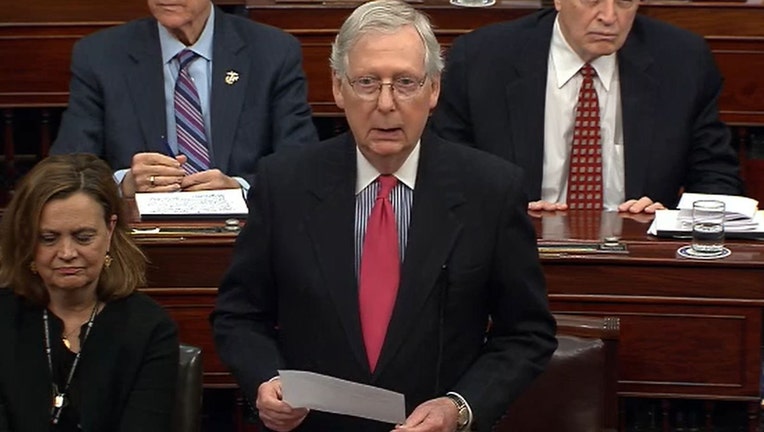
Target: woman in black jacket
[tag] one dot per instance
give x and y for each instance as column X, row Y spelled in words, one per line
column 82, row 349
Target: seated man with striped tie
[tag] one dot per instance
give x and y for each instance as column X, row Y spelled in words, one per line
column 600, row 106
column 379, row 255
column 189, row 99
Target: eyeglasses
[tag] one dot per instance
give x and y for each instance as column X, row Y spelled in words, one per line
column 620, row 4
column 368, row 88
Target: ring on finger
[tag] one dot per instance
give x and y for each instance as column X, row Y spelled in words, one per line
column 151, row 181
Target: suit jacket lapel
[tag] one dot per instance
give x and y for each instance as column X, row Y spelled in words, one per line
column 432, row 233
column 638, row 96
column 145, row 78
column 226, row 99
column 526, row 118
column 331, row 228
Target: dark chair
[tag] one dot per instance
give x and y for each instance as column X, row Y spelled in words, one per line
column 3, row 420
column 577, row 391
column 188, row 401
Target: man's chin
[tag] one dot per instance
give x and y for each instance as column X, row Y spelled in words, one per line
column 387, row 147
column 602, row 48
column 170, row 18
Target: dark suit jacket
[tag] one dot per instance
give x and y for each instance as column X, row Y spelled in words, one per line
column 493, row 96
column 290, row 297
column 117, row 102
column 127, row 372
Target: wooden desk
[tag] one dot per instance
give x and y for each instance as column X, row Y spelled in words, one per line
column 183, row 275
column 689, row 329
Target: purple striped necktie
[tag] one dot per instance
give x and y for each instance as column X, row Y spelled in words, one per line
column 189, row 121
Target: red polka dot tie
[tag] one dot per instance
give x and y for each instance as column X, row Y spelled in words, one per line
column 585, row 175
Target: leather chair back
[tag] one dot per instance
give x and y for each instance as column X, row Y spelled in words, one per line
column 188, row 400
column 577, row 391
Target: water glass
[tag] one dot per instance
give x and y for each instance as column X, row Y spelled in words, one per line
column 708, row 227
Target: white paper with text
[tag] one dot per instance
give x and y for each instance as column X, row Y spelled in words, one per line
column 213, row 203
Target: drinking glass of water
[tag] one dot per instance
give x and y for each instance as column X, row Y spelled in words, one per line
column 708, row 227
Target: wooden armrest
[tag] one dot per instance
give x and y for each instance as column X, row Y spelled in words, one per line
column 605, row 328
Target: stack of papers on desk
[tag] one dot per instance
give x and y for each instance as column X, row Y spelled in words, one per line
column 225, row 203
column 739, row 215
column 742, row 218
column 669, row 223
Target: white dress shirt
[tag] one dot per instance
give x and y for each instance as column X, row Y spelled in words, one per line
column 562, row 86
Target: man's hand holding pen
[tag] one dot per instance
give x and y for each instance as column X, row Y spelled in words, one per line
column 153, row 172
column 156, row 172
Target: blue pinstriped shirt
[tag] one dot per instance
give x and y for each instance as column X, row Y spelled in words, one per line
column 401, row 197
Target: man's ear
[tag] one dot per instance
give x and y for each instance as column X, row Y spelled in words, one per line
column 434, row 90
column 339, row 98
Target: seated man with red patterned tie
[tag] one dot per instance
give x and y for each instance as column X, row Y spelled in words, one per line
column 517, row 90
column 189, row 99
column 378, row 256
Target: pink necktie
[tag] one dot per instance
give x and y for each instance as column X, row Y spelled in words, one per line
column 585, row 176
column 380, row 271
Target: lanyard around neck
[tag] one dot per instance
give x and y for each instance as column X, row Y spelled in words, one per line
column 60, row 398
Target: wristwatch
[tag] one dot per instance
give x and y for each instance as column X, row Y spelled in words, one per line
column 463, row 416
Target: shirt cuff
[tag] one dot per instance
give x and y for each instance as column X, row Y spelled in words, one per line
column 244, row 185
column 119, row 175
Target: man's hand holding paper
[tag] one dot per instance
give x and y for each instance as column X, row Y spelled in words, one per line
column 274, row 412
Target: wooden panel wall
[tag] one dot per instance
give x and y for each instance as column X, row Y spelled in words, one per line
column 57, row 11
column 41, row 34
column 734, row 31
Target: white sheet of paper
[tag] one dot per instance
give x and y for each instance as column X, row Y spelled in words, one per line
column 228, row 202
column 325, row 393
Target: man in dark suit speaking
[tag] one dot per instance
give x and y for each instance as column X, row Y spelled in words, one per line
column 518, row 89
column 187, row 100
column 378, row 256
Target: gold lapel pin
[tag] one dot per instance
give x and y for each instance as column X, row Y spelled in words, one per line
column 231, row 77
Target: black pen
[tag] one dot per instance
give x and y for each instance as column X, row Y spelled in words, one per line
column 166, row 145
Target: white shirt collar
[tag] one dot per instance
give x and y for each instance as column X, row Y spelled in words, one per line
column 366, row 173
column 567, row 63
